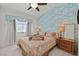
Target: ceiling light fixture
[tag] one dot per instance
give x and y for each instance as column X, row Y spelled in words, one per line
column 34, row 5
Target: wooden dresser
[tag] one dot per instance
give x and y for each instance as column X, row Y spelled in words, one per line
column 67, row 45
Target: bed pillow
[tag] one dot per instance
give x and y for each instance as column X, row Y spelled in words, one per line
column 51, row 34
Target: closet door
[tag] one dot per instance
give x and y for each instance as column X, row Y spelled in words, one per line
column 69, row 31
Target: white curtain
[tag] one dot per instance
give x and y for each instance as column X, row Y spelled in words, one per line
column 11, row 32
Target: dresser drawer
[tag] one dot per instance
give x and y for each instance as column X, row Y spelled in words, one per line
column 66, row 46
column 66, row 42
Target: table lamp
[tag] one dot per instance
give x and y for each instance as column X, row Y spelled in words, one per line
column 62, row 29
column 38, row 30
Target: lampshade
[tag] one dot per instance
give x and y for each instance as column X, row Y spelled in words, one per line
column 34, row 5
column 62, row 28
column 38, row 29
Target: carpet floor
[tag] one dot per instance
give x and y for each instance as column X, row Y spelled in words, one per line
column 15, row 51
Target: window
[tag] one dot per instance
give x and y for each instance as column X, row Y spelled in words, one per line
column 21, row 26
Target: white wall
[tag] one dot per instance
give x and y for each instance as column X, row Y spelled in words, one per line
column 3, row 24
column 0, row 29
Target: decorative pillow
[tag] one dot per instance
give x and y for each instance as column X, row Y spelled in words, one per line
column 37, row 38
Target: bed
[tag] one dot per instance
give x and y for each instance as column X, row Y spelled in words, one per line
column 36, row 47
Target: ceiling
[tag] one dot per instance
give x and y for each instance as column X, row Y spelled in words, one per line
column 22, row 7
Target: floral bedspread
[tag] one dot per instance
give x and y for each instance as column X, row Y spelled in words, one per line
column 37, row 47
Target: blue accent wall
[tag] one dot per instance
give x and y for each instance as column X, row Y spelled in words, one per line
column 50, row 20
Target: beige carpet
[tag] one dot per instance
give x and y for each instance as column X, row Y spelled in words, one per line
column 10, row 51
column 58, row 52
column 15, row 51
